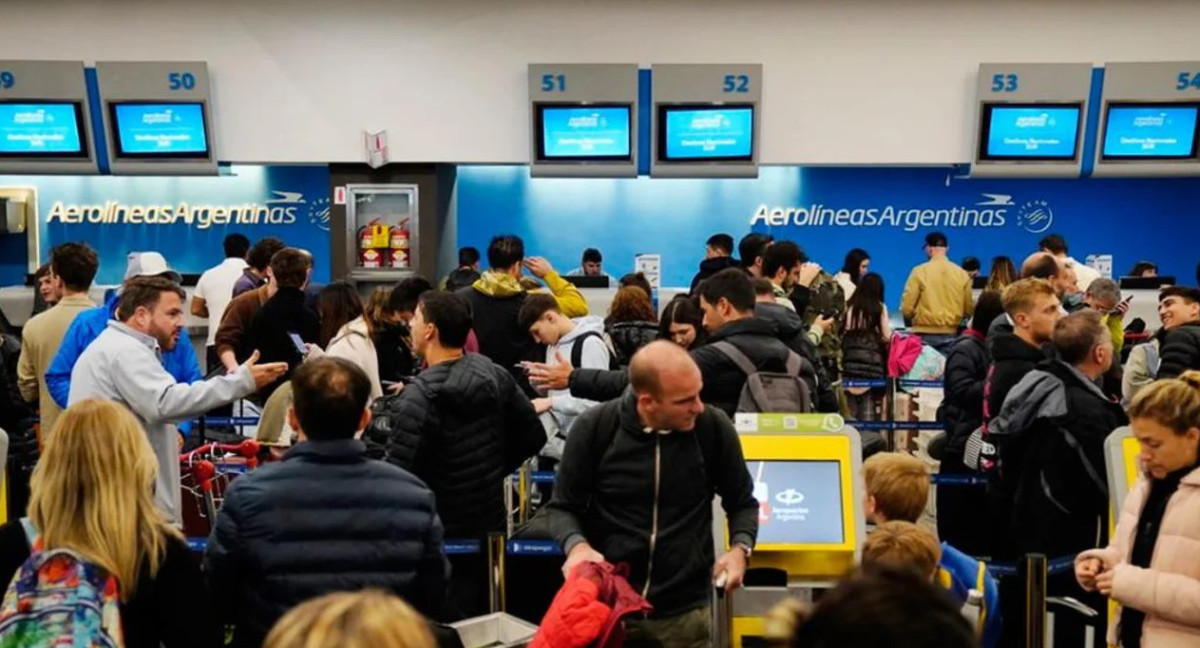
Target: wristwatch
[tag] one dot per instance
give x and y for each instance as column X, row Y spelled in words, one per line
column 746, row 549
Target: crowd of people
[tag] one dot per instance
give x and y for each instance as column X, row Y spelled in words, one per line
column 398, row 415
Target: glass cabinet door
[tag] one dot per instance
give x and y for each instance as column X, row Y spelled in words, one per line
column 382, row 223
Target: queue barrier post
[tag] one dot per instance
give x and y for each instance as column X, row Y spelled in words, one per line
column 1032, row 572
column 496, row 549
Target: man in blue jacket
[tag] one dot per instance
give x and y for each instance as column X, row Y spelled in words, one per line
column 180, row 361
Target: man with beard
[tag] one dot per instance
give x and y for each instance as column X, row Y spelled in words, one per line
column 123, row 365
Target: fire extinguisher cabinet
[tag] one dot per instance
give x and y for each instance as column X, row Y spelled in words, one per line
column 381, row 237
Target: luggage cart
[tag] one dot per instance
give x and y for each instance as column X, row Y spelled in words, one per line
column 205, row 474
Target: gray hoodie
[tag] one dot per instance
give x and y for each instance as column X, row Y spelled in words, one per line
column 124, row 365
column 565, row 408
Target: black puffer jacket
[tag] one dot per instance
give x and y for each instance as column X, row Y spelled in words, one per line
column 1180, row 351
column 461, row 426
column 325, row 519
column 710, row 267
column 628, row 337
column 723, row 380
column 494, row 320
column 864, row 355
column 962, row 408
column 790, row 330
column 1012, row 358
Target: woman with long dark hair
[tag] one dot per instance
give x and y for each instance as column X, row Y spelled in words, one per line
column 853, row 269
column 630, row 324
column 865, row 342
column 337, row 305
column 682, row 322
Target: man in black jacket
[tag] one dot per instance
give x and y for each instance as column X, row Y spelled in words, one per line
column 1051, row 433
column 718, row 251
column 636, row 486
column 727, row 299
column 462, row 425
column 326, row 518
column 1179, row 308
column 283, row 315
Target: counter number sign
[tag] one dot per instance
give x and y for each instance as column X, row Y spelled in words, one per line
column 554, row 83
column 1004, row 83
column 7, row 79
column 1187, row 81
column 739, row 83
column 181, row 81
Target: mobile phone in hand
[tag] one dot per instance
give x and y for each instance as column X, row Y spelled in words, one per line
column 299, row 343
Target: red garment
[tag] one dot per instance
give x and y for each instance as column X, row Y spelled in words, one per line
column 472, row 345
column 903, row 354
column 589, row 609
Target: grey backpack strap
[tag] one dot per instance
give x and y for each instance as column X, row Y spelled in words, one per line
column 736, row 355
column 794, row 364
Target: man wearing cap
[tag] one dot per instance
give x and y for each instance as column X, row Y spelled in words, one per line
column 180, row 361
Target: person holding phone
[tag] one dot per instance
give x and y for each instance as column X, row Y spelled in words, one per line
column 1152, row 566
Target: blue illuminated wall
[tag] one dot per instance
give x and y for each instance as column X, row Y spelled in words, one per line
column 185, row 218
column 887, row 211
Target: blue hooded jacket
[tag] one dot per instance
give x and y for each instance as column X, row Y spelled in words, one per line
column 180, row 362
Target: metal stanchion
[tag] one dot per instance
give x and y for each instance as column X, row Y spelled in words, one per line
column 1032, row 572
column 496, row 547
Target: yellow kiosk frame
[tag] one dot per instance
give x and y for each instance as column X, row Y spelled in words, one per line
column 809, row 567
column 1121, row 457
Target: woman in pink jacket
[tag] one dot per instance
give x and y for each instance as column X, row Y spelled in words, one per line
column 1152, row 566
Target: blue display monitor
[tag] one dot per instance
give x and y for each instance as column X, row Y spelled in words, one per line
column 583, row 133
column 800, row 502
column 159, row 130
column 1150, row 131
column 1030, row 132
column 42, row 129
column 706, row 133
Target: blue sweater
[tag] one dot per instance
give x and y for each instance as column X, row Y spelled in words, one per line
column 959, row 573
column 180, row 362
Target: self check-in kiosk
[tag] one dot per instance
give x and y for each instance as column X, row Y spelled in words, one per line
column 1121, row 456
column 806, row 470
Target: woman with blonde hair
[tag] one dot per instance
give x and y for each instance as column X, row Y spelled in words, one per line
column 1151, row 566
column 92, row 493
column 366, row 619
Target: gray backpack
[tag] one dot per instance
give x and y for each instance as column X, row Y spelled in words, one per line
column 770, row 391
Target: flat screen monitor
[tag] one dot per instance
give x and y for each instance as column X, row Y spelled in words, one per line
column 800, row 502
column 42, row 129
column 159, row 130
column 1150, row 132
column 583, row 133
column 706, row 133
column 582, row 281
column 1033, row 132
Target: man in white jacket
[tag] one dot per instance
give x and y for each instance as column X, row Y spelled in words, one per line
column 123, row 364
column 578, row 342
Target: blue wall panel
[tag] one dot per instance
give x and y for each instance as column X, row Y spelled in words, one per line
column 887, row 211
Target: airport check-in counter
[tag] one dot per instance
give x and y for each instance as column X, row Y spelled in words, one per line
column 806, row 470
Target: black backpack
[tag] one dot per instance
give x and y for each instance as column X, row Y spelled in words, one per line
column 577, row 351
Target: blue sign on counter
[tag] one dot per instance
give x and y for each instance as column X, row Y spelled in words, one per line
column 160, row 129
column 1151, row 132
column 688, row 133
column 40, row 129
column 585, row 133
column 1031, row 132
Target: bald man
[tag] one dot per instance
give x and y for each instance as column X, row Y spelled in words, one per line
column 642, row 470
column 1043, row 265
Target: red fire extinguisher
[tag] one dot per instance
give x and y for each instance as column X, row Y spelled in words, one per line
column 399, row 245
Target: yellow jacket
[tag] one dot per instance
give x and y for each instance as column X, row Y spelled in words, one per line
column 570, row 300
column 937, row 297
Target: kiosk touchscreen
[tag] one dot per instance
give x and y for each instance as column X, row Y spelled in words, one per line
column 806, row 472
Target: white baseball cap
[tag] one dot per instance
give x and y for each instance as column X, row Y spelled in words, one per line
column 149, row 264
